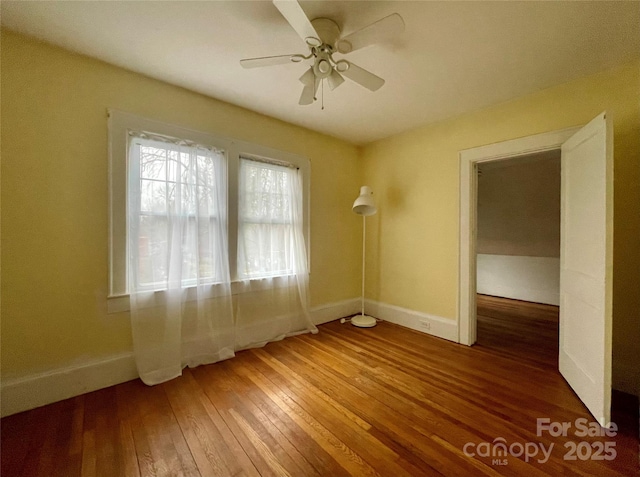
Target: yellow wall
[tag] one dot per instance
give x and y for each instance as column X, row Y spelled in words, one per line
column 55, row 192
column 55, row 185
column 414, row 255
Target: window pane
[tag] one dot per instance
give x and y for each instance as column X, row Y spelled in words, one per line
column 153, row 196
column 266, row 192
column 265, row 230
column 152, row 250
column 153, row 163
column 267, row 249
column 178, row 217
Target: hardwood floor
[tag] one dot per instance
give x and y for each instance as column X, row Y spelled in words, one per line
column 385, row 401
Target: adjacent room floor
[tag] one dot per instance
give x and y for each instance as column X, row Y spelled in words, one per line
column 385, row 401
column 520, row 330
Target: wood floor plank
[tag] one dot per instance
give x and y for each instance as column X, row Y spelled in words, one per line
column 67, row 461
column 130, row 465
column 314, row 454
column 338, row 449
column 159, row 441
column 274, row 462
column 15, row 433
column 413, row 434
column 278, row 435
column 237, row 460
column 345, row 402
column 226, row 400
column 105, row 451
column 340, row 423
column 352, row 396
column 205, row 442
column 302, row 385
column 39, row 456
column 265, row 437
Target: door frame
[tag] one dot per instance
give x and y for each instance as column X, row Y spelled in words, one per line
column 469, row 160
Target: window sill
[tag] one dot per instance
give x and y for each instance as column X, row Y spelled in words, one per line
column 121, row 304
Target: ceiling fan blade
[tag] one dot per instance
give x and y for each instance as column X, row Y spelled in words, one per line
column 308, row 77
column 360, row 76
column 335, row 79
column 310, row 87
column 293, row 13
column 381, row 30
column 308, row 95
column 270, row 61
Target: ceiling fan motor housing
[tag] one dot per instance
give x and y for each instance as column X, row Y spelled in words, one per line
column 329, row 33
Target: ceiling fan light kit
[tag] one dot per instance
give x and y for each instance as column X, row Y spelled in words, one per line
column 342, row 66
column 322, row 37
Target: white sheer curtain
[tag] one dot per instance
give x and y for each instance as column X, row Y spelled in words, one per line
column 181, row 308
column 273, row 298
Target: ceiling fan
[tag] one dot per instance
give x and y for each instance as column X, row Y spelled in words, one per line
column 322, row 37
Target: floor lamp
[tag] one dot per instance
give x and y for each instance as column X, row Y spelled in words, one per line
column 365, row 206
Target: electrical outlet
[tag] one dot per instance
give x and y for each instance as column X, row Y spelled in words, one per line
column 426, row 324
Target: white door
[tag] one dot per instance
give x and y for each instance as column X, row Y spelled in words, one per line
column 586, row 259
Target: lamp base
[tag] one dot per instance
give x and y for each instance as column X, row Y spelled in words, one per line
column 363, row 321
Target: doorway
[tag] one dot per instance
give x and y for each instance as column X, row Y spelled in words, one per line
column 586, row 251
column 518, row 257
column 470, row 160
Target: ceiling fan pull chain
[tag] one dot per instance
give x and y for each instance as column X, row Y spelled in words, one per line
column 322, row 94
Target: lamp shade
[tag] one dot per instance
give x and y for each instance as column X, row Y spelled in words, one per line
column 364, row 204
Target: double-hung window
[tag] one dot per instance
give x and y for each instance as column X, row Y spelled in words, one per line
column 175, row 193
column 213, row 199
column 267, row 195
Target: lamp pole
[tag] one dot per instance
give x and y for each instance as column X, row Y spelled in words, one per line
column 364, row 236
column 364, row 205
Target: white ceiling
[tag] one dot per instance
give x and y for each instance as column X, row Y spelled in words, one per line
column 453, row 57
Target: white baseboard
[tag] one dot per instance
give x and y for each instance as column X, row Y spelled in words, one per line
column 36, row 390
column 29, row 392
column 416, row 320
column 423, row 322
column 333, row 311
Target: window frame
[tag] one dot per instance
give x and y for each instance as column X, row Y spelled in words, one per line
column 256, row 152
column 119, row 125
column 138, row 141
column 269, row 164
